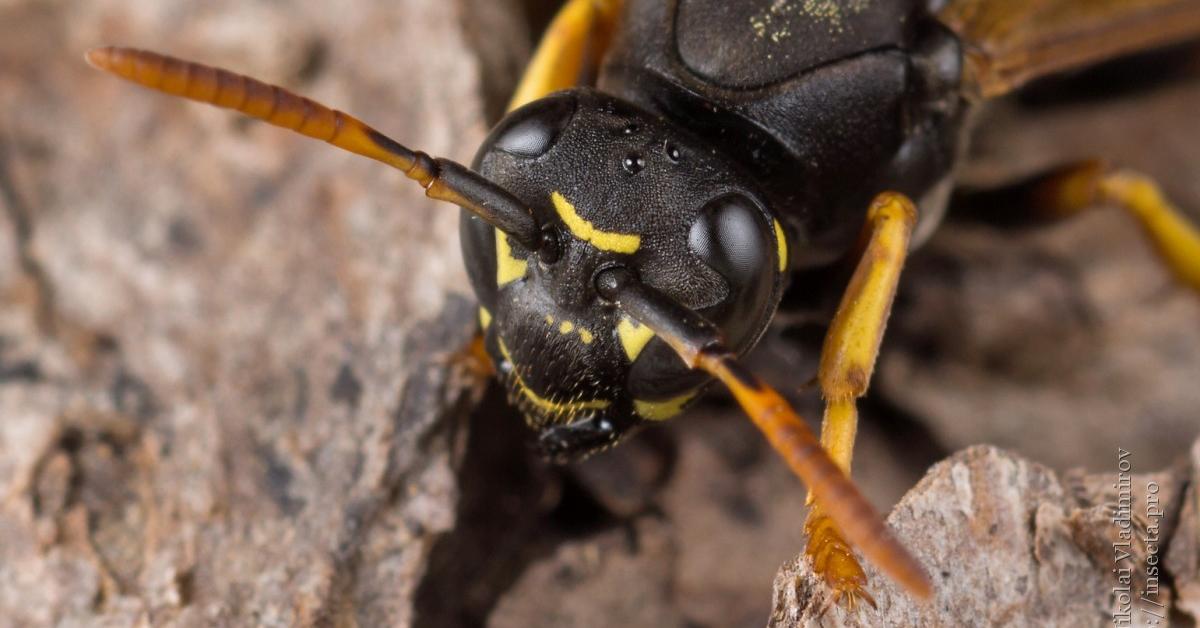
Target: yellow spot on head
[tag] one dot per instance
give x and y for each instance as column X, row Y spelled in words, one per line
column 556, row 408
column 508, row 268
column 662, row 410
column 781, row 244
column 568, row 327
column 485, row 317
column 633, row 337
column 584, row 230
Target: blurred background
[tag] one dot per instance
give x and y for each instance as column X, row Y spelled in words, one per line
column 228, row 385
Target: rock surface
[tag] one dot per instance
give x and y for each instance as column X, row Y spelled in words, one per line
column 1183, row 553
column 1009, row 542
column 227, row 386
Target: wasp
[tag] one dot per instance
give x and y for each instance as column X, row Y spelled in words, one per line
column 669, row 168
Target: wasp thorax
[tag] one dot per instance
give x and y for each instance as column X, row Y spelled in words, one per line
column 612, row 185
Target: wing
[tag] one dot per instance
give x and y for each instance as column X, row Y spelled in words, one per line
column 1010, row 42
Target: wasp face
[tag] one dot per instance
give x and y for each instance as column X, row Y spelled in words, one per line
column 612, row 185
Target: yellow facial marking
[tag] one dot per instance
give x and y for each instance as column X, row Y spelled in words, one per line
column 781, row 243
column 551, row 407
column 567, row 327
column 584, row 230
column 662, row 410
column 485, row 318
column 633, row 337
column 508, row 268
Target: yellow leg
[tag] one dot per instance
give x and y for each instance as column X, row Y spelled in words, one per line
column 847, row 361
column 571, row 49
column 1073, row 189
column 699, row 344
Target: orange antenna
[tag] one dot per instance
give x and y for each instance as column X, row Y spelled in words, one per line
column 442, row 179
column 700, row 346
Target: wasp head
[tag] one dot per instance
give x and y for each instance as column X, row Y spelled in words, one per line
column 612, row 185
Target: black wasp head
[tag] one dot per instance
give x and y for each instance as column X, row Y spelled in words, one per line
column 612, row 185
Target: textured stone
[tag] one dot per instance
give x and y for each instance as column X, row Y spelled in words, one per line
column 586, row 583
column 1006, row 542
column 1183, row 554
column 227, row 379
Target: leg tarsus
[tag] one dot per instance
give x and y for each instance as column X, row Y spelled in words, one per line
column 834, row 560
column 1073, row 189
column 1176, row 240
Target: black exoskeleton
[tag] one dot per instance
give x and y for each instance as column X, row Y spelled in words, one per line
column 699, row 141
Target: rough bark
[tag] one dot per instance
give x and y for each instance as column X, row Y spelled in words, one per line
column 228, row 390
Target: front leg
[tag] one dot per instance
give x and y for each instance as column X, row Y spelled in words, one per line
column 570, row 51
column 847, row 361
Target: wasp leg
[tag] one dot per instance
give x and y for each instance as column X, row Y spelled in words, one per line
column 847, row 361
column 700, row 345
column 1073, row 189
column 475, row 358
column 570, row 51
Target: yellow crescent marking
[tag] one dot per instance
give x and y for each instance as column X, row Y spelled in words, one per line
column 633, row 337
column 485, row 317
column 508, row 268
column 566, row 327
column 551, row 407
column 549, row 320
column 662, row 410
column 781, row 242
column 604, row 240
column 586, row 336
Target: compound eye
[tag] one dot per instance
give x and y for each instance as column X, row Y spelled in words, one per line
column 730, row 235
column 532, row 130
